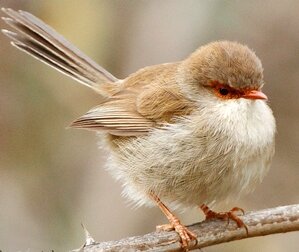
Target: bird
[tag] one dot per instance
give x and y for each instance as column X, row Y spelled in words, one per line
column 185, row 134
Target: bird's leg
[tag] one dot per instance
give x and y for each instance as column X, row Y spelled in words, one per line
column 231, row 214
column 174, row 223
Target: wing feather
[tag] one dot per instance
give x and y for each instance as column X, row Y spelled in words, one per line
column 116, row 120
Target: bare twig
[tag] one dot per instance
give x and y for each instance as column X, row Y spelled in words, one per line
column 210, row 232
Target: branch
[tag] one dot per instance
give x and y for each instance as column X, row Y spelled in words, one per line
column 209, row 232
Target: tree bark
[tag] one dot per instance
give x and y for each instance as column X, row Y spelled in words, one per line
column 209, row 232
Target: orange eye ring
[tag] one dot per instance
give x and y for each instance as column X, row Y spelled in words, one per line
column 224, row 91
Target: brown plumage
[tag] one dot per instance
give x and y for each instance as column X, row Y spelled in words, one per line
column 144, row 100
column 189, row 133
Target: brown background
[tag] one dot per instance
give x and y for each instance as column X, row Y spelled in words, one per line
column 52, row 179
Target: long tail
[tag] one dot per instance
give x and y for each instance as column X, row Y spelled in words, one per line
column 42, row 42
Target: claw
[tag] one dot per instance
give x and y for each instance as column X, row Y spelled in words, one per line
column 230, row 215
column 174, row 224
column 237, row 209
column 185, row 234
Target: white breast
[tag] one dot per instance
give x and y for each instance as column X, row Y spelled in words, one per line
column 211, row 155
column 248, row 130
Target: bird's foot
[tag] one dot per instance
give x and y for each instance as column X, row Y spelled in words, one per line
column 185, row 234
column 174, row 224
column 230, row 215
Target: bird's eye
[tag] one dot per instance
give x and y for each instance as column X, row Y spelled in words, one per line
column 223, row 91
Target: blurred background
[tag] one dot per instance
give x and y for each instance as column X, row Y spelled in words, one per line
column 52, row 178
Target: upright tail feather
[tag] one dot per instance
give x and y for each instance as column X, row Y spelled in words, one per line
column 42, row 42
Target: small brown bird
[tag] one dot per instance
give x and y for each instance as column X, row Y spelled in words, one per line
column 181, row 134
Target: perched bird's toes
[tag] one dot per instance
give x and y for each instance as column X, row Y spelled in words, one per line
column 230, row 215
column 186, row 235
column 237, row 209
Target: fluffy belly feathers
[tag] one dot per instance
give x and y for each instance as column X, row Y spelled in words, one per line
column 187, row 164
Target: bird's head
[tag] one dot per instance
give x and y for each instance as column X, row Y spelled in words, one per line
column 227, row 70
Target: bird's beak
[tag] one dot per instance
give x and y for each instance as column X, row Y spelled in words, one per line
column 255, row 95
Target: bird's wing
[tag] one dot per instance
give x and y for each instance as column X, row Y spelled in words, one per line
column 136, row 111
column 117, row 116
column 163, row 103
column 39, row 40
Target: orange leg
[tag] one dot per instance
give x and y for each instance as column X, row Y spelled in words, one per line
column 174, row 223
column 225, row 215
